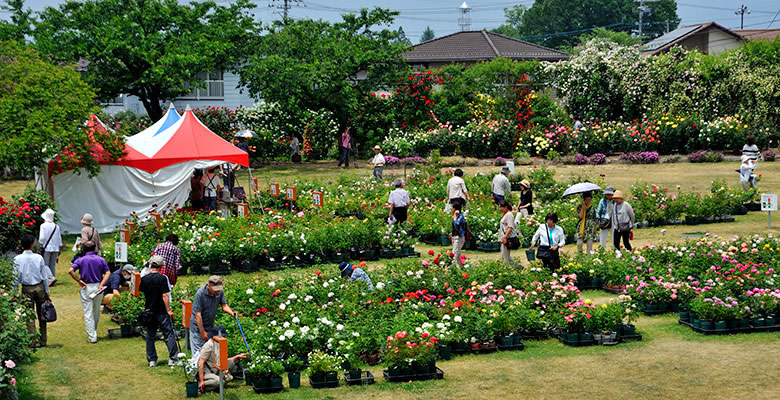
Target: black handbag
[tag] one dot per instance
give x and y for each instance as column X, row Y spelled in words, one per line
column 146, row 318
column 513, row 243
column 545, row 251
column 605, row 223
column 48, row 312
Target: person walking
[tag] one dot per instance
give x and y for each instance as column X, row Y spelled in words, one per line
column 458, row 235
column 506, row 231
column 399, row 202
column 295, row 148
column 50, row 239
column 157, row 299
column 456, row 189
column 750, row 149
column 118, row 282
column 345, row 145
column 196, row 190
column 32, row 273
column 586, row 223
column 209, row 190
column 604, row 216
column 525, row 206
column 378, row 162
column 501, row 188
column 622, row 221
column 169, row 251
column 551, row 239
column 92, row 278
column 204, row 311
column 89, row 234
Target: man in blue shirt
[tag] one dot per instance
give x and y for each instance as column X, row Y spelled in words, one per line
column 93, row 276
column 118, row 282
column 353, row 273
column 31, row 273
column 204, row 311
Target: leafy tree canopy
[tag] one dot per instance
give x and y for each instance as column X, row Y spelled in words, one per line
column 427, row 34
column 556, row 23
column 152, row 49
column 307, row 64
column 42, row 112
column 20, row 24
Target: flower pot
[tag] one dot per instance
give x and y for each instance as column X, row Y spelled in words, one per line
column 346, row 365
column 629, row 330
column 505, row 341
column 275, row 382
column 192, row 389
column 398, row 253
column 474, row 346
column 573, row 337
column 372, row 359
column 744, row 323
column 261, row 382
column 758, row 323
column 586, row 337
column 707, row 325
column 294, row 380
column 317, row 377
column 597, row 337
column 732, row 324
column 331, row 376
column 720, row 325
column 407, row 371
column 445, row 352
column 444, row 240
column 355, row 374
column 697, row 323
column 395, row 370
column 685, row 316
column 769, row 320
column 516, row 339
column 126, row 330
column 530, row 255
column 432, row 367
column 419, row 368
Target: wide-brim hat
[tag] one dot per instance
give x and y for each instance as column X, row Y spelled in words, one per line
column 377, row 147
column 525, row 183
column 609, row 190
column 505, row 170
column 617, row 195
column 86, row 219
column 48, row 215
column 345, row 268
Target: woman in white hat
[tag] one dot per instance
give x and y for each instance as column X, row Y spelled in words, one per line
column 622, row 221
column 88, row 233
column 379, row 163
column 50, row 238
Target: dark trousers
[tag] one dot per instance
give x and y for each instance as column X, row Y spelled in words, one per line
column 553, row 262
column 498, row 198
column 344, row 156
column 37, row 295
column 626, row 236
column 163, row 322
column 210, row 203
column 458, row 200
column 197, row 204
column 400, row 213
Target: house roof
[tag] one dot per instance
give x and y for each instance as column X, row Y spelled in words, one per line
column 751, row 34
column 479, row 46
column 677, row 36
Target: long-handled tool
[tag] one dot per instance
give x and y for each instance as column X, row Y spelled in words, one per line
column 242, row 333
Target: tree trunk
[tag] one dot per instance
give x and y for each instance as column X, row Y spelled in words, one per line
column 152, row 106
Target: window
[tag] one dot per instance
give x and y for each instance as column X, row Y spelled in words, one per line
column 215, row 86
column 116, row 101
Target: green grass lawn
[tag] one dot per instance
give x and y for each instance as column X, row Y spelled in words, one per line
column 671, row 362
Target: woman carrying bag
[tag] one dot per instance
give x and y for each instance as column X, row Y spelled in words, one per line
column 551, row 238
column 507, row 235
column 622, row 221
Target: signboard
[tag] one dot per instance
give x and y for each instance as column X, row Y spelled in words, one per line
column 186, row 311
column 120, row 252
column 131, row 226
column 135, row 283
column 275, row 189
column 511, row 166
column 290, row 193
column 243, row 210
column 124, row 235
column 255, row 187
column 317, row 199
column 157, row 219
column 768, row 202
column 220, row 353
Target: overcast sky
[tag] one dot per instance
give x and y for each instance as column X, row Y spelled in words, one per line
column 442, row 15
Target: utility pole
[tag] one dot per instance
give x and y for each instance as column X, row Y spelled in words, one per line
column 642, row 9
column 741, row 12
column 284, row 5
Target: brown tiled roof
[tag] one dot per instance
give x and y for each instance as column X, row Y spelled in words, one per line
column 479, row 46
column 751, row 34
column 675, row 37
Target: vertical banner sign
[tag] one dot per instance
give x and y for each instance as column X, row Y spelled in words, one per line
column 243, row 210
column 157, row 219
column 186, row 310
column 291, row 194
column 275, row 189
column 316, row 199
column 124, row 236
column 135, row 283
column 255, row 187
column 220, row 353
column 120, row 252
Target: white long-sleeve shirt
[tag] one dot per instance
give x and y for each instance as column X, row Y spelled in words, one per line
column 558, row 237
column 47, row 228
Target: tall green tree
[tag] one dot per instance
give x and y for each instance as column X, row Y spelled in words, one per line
column 20, row 24
column 427, row 34
column 557, row 23
column 307, row 64
column 152, row 49
column 42, row 112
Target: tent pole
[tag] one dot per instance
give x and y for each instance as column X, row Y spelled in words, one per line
column 249, row 203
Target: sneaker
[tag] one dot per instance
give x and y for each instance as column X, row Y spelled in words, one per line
column 90, row 341
column 106, row 310
column 175, row 363
column 152, row 364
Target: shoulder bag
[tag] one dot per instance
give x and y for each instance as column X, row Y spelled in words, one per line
column 48, row 312
column 545, row 251
column 513, row 243
column 42, row 250
column 605, row 223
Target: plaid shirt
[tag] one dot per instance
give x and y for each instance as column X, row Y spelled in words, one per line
column 170, row 253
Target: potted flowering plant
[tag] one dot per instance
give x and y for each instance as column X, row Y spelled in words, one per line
column 322, row 369
column 293, row 365
column 267, row 373
column 191, row 373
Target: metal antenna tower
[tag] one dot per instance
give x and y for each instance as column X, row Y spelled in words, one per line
column 465, row 17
